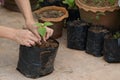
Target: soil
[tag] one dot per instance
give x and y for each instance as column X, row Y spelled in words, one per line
column 51, row 14
column 49, row 43
column 75, row 23
column 99, row 3
column 98, row 29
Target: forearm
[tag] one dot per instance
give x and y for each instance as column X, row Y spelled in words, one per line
column 25, row 8
column 6, row 32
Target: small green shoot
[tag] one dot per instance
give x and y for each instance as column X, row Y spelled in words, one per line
column 42, row 27
column 116, row 35
column 70, row 3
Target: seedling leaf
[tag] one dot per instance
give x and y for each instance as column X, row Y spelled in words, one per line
column 42, row 31
column 48, row 24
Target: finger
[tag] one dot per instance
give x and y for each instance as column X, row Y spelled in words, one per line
column 27, row 44
column 32, row 43
column 34, row 29
column 47, row 35
column 51, row 33
column 36, row 33
column 34, row 38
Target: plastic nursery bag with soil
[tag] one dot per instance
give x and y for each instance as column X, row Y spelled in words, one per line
column 37, row 61
column 95, row 40
column 77, row 34
column 112, row 49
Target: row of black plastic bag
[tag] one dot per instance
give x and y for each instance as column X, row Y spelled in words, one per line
column 94, row 39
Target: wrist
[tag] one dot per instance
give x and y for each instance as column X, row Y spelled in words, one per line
column 12, row 34
column 29, row 20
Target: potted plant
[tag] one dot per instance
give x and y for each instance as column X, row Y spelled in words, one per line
column 77, row 34
column 112, row 47
column 72, row 10
column 95, row 40
column 11, row 5
column 54, row 14
column 38, row 60
column 100, row 12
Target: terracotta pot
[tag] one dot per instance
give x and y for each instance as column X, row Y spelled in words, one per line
column 110, row 19
column 58, row 22
column 11, row 5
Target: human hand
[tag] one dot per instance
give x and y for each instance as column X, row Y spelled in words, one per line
column 49, row 33
column 25, row 37
column 31, row 26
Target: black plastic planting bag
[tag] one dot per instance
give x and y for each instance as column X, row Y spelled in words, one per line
column 95, row 40
column 74, row 14
column 111, row 50
column 77, row 35
column 35, row 62
column 51, row 3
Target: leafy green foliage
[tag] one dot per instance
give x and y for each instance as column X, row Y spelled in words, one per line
column 70, row 3
column 116, row 35
column 42, row 27
column 42, row 31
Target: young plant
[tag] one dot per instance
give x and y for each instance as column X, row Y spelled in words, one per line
column 116, row 35
column 70, row 3
column 42, row 27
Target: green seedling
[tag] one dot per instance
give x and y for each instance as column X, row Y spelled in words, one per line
column 70, row 3
column 42, row 27
column 116, row 35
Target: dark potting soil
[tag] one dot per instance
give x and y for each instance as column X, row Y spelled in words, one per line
column 95, row 40
column 77, row 34
column 51, row 14
column 35, row 62
column 99, row 3
column 98, row 29
column 48, row 43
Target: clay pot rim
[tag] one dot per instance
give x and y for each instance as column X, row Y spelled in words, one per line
column 53, row 8
column 81, row 5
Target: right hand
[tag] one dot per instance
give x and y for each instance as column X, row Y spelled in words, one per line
column 25, row 37
column 31, row 26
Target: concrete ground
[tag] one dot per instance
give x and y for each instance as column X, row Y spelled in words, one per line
column 69, row 64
